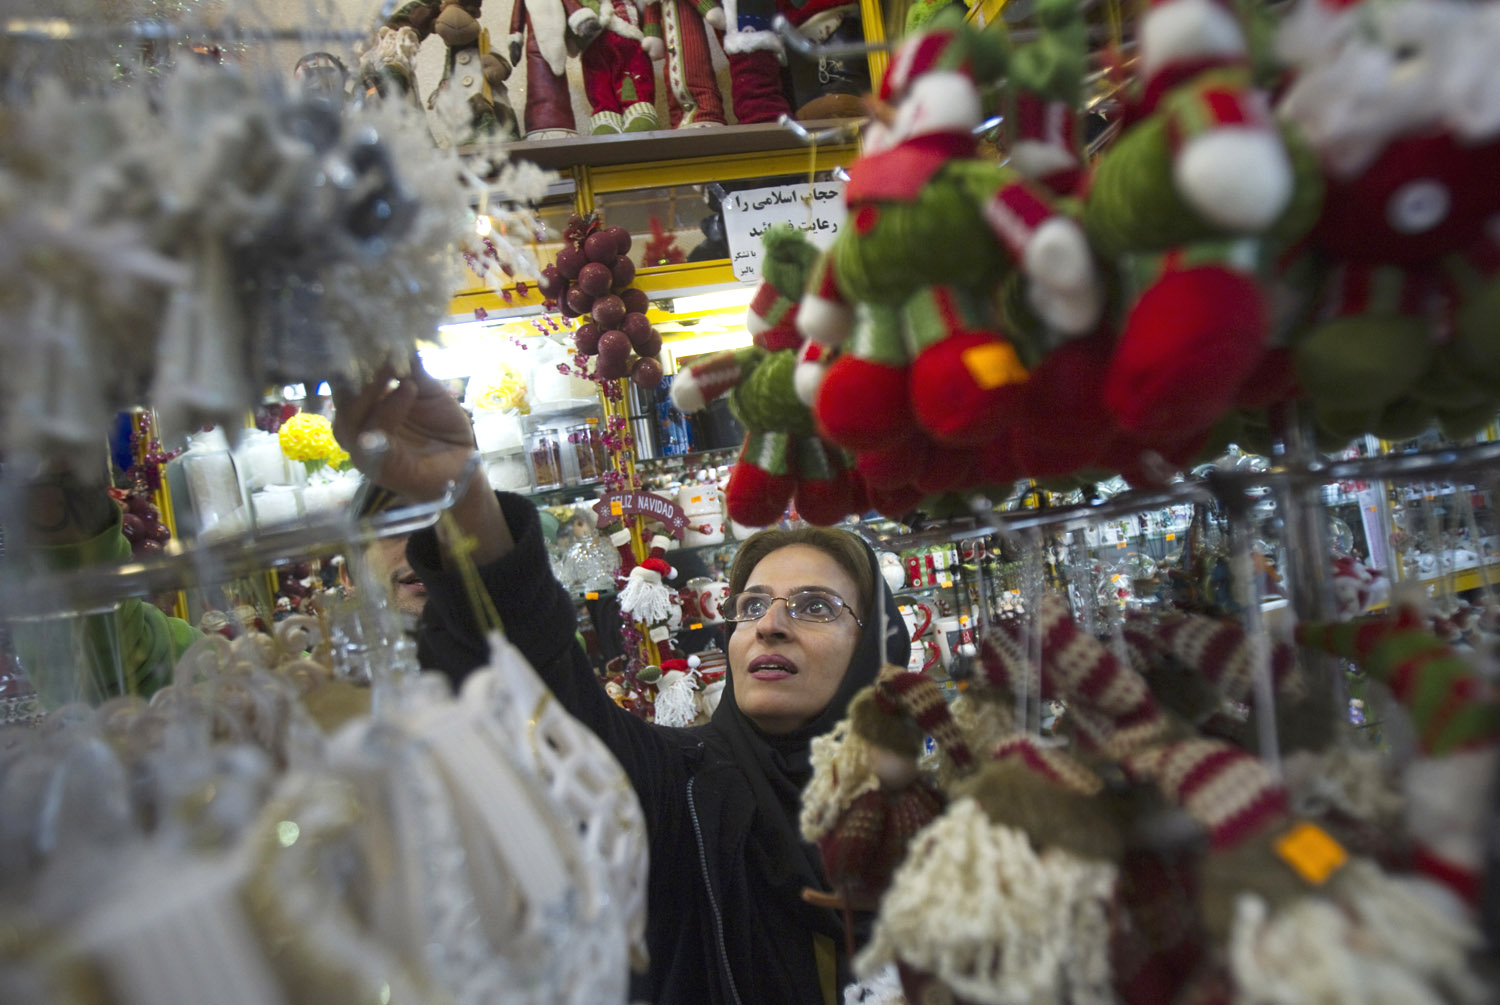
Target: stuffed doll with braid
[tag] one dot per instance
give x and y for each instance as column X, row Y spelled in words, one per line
column 783, row 458
column 1192, row 204
column 930, row 375
column 1401, row 102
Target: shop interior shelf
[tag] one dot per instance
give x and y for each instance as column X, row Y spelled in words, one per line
column 667, row 144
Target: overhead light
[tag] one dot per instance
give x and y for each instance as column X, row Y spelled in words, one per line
column 716, row 301
column 697, row 345
column 483, row 225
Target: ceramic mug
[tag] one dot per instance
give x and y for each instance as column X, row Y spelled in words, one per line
column 924, row 656
column 711, row 595
column 955, row 636
column 918, row 617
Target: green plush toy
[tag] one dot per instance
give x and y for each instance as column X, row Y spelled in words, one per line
column 930, row 377
column 1406, row 325
column 1193, row 203
column 783, row 457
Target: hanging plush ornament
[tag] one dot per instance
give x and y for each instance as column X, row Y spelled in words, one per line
column 645, row 598
column 935, row 234
column 868, row 797
column 676, row 695
column 1398, row 101
column 1192, row 202
column 782, row 459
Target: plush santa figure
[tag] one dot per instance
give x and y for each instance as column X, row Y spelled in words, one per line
column 933, row 234
column 1186, row 203
column 1401, row 102
column 548, row 32
column 676, row 34
column 618, row 78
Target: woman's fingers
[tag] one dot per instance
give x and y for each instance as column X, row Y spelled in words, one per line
column 352, row 407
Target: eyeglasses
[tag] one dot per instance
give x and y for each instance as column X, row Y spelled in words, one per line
column 809, row 605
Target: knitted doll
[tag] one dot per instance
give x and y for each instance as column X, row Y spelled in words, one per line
column 1398, row 102
column 618, row 78
column 1190, row 202
column 868, row 797
column 782, row 458
column 676, row 32
column 934, row 234
column 549, row 31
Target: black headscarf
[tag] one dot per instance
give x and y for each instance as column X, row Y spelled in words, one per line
column 777, row 768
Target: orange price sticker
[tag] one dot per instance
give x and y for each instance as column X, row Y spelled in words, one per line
column 1311, row 853
column 1171, row 537
column 615, row 508
column 591, row 595
column 695, row 626
column 1119, row 544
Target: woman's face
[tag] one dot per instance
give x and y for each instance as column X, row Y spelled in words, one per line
column 787, row 671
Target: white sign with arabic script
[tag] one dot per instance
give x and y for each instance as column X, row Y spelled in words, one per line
column 817, row 210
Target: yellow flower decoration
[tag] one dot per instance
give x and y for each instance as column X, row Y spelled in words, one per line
column 309, row 438
column 508, row 391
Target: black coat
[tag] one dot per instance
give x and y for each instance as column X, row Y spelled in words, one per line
column 708, row 933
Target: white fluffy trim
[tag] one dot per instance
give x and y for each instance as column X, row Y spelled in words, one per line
column 739, row 42
column 1444, row 807
column 977, row 907
column 825, row 321
column 807, row 378
column 938, row 102
column 645, row 598
column 841, row 773
column 579, row 18
column 1237, row 178
column 1036, row 159
column 1381, row 943
column 1188, row 30
column 677, row 703
column 1063, row 286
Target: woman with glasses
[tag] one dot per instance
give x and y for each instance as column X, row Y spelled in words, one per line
column 726, row 918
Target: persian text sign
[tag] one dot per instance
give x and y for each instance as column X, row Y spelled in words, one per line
column 642, row 504
column 816, row 210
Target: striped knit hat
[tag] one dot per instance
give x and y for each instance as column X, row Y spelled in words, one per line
column 1220, row 649
column 1451, row 706
column 1111, row 705
column 1230, row 792
column 916, row 697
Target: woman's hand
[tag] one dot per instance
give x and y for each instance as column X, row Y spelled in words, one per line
column 428, row 438
column 428, row 441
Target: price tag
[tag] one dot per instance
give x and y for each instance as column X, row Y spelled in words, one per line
column 1120, row 545
column 615, row 508
column 1311, row 853
column 695, row 626
column 591, row 595
column 945, row 583
column 1171, row 537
